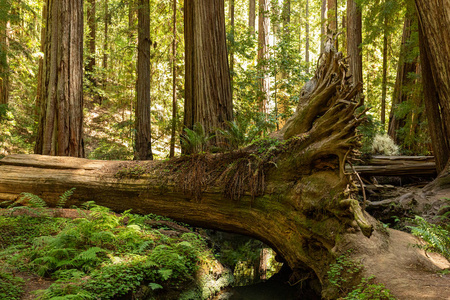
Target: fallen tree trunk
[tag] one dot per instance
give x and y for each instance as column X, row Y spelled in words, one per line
column 397, row 166
column 290, row 191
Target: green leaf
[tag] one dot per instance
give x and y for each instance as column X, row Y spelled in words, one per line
column 165, row 273
column 155, row 286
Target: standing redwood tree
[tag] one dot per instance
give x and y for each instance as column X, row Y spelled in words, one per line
column 307, row 36
column 207, row 85
column 92, row 24
column 434, row 40
column 4, row 45
column 61, row 100
column 143, row 146
column 252, row 15
column 174, row 81
column 406, row 90
column 354, row 40
column 263, row 54
column 332, row 14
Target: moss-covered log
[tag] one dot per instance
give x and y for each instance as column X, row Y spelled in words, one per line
column 290, row 191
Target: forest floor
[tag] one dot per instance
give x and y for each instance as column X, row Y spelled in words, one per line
column 397, row 207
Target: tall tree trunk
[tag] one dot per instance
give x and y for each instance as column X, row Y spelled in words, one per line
column 174, row 81
column 232, row 45
column 41, row 79
column 384, row 80
column 333, row 20
column 403, row 80
column 131, row 15
column 323, row 25
column 207, row 85
column 61, row 111
column 263, row 54
column 354, row 40
column 4, row 65
column 143, row 140
column 434, row 40
column 307, row 35
column 105, row 34
column 281, row 104
column 252, row 15
column 92, row 27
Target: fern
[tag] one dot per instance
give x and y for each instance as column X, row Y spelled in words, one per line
column 33, row 200
column 64, row 197
column 195, row 140
column 436, row 237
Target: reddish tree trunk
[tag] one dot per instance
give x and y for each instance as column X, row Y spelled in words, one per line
column 61, row 107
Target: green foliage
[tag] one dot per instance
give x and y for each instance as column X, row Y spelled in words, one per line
column 65, row 197
column 342, row 271
column 367, row 290
column 32, row 200
column 437, row 238
column 11, row 286
column 235, row 134
column 195, row 140
column 368, row 130
column 100, row 255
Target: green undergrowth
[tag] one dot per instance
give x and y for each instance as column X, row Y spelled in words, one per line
column 435, row 236
column 100, row 255
column 345, row 273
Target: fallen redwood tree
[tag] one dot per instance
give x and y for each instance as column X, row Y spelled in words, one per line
column 396, row 166
column 290, row 191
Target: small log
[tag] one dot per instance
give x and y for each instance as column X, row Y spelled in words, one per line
column 397, row 166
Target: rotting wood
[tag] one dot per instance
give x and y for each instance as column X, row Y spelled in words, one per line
column 397, row 166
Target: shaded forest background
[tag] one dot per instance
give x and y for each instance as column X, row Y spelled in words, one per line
column 390, row 51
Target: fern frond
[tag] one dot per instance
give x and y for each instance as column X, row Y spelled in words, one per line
column 436, row 237
column 32, row 199
column 64, row 197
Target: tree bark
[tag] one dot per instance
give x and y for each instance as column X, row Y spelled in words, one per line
column 207, row 85
column 41, row 79
column 434, row 40
column 92, row 29
column 263, row 55
column 4, row 64
column 252, row 15
column 105, row 35
column 332, row 15
column 354, row 40
column 61, row 111
column 323, row 25
column 384, row 79
column 404, row 90
column 143, row 140
column 307, row 36
column 174, row 81
column 232, row 44
column 290, row 196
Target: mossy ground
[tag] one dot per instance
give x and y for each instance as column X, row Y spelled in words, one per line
column 101, row 255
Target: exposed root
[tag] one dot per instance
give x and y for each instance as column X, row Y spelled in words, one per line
column 358, row 214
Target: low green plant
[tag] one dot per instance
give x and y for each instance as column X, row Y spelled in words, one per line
column 195, row 140
column 342, row 271
column 65, row 197
column 437, row 238
column 11, row 286
column 368, row 290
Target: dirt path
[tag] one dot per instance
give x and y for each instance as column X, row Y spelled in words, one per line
column 412, row 276
column 32, row 284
